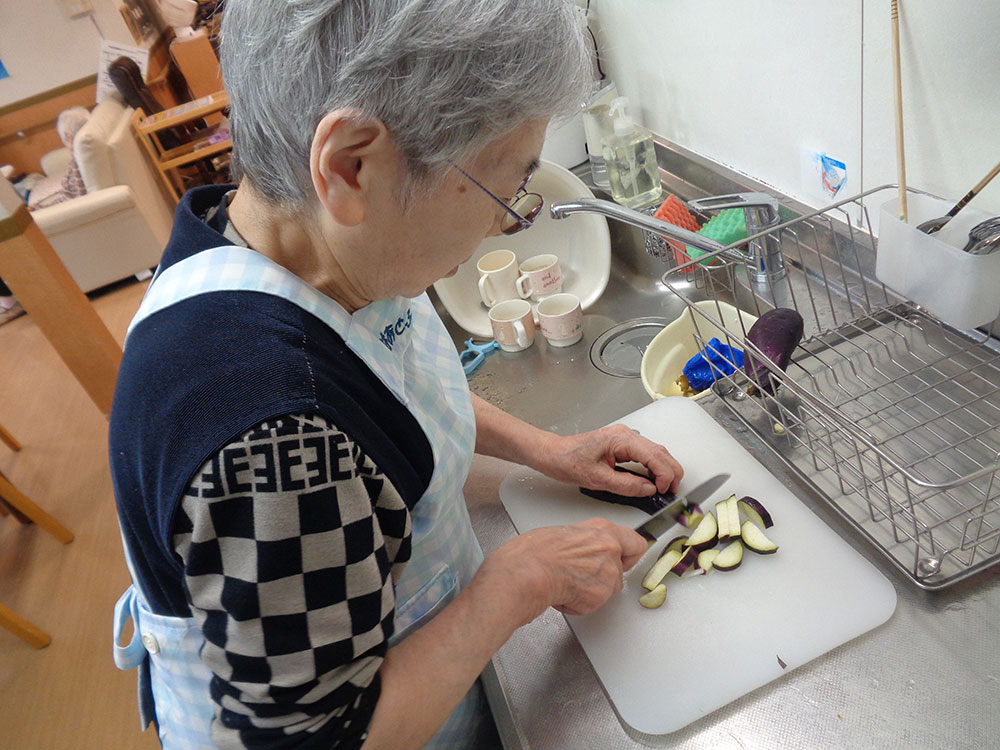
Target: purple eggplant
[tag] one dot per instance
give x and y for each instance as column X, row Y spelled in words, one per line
column 690, row 513
column 776, row 333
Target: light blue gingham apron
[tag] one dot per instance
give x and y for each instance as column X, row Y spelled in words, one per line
column 406, row 345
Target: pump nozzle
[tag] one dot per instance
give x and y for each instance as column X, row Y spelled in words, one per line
column 618, row 111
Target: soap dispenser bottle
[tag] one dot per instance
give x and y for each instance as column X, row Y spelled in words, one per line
column 631, row 160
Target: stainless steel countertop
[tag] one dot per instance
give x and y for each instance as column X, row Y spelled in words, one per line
column 928, row 678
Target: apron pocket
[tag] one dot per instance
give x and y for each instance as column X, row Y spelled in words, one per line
column 420, row 608
column 178, row 678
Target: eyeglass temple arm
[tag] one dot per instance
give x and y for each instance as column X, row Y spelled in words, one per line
column 521, row 220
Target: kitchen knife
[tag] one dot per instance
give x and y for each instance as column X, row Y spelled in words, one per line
column 661, row 522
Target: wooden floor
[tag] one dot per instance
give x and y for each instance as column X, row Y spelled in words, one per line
column 68, row 695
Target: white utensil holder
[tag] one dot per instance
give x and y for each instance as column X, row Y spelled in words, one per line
column 960, row 289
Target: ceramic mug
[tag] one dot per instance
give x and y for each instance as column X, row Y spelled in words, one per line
column 497, row 274
column 540, row 277
column 513, row 325
column 561, row 319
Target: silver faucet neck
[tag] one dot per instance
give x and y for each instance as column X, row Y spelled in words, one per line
column 636, row 219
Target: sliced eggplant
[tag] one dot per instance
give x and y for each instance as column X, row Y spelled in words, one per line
column 732, row 505
column 660, row 569
column 776, row 333
column 756, row 540
column 706, row 559
column 688, row 558
column 722, row 518
column 677, row 543
column 756, row 512
column 654, row 598
column 691, row 516
column 705, row 535
column 730, row 557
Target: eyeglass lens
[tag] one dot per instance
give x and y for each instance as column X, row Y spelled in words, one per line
column 527, row 205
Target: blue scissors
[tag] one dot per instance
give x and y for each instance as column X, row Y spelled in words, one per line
column 473, row 356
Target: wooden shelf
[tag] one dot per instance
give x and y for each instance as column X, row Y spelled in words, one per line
column 202, row 144
column 183, row 113
column 191, row 152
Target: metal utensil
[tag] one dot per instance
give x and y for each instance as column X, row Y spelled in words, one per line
column 933, row 225
column 660, row 523
column 987, row 246
column 984, row 237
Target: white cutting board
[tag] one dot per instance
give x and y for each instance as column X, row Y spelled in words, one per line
column 717, row 636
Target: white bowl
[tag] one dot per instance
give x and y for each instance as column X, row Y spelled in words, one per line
column 581, row 241
column 664, row 359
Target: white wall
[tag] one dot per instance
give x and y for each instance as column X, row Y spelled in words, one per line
column 42, row 48
column 753, row 84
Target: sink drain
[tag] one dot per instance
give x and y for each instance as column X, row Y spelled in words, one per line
column 618, row 351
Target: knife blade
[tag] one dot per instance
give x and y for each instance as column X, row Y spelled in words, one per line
column 662, row 521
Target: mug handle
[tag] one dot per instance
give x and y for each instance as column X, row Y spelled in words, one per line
column 487, row 300
column 520, row 334
column 521, row 280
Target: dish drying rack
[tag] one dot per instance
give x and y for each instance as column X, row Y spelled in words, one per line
column 892, row 415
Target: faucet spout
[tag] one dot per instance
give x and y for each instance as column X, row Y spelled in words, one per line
column 642, row 221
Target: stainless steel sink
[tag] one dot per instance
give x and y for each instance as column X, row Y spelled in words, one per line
column 560, row 389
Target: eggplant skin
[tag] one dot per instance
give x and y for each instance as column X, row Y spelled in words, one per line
column 650, row 504
column 776, row 333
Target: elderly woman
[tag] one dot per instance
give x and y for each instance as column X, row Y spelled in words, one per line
column 292, row 428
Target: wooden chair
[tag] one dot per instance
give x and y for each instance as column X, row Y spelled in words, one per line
column 25, row 511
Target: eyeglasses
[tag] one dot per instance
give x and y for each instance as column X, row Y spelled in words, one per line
column 521, row 210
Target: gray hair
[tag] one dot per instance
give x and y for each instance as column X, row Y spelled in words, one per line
column 446, row 77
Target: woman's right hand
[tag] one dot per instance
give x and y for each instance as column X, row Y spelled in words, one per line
column 574, row 568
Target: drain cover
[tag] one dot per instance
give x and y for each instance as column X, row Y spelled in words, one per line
column 618, row 351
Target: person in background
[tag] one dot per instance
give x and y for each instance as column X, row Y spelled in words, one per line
column 10, row 308
column 292, row 428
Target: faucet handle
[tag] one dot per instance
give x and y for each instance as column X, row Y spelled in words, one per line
column 764, row 260
column 737, row 200
column 760, row 209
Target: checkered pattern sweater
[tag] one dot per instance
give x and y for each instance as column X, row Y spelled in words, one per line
column 292, row 539
column 264, row 478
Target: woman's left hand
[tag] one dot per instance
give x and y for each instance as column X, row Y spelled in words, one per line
column 588, row 460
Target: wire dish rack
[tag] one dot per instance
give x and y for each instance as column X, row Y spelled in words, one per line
column 892, row 415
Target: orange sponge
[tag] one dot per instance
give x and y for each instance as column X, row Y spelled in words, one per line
column 673, row 211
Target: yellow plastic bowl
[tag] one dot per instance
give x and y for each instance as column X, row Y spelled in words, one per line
column 668, row 352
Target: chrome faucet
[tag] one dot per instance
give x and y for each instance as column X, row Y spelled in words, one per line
column 763, row 257
column 640, row 220
column 763, row 261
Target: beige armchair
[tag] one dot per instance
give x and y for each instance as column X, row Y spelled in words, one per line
column 120, row 227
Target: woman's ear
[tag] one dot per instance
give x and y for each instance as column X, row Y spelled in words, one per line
column 348, row 154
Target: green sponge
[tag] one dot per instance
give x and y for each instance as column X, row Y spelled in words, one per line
column 726, row 227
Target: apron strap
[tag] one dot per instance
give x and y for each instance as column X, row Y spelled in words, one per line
column 234, row 268
column 133, row 654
